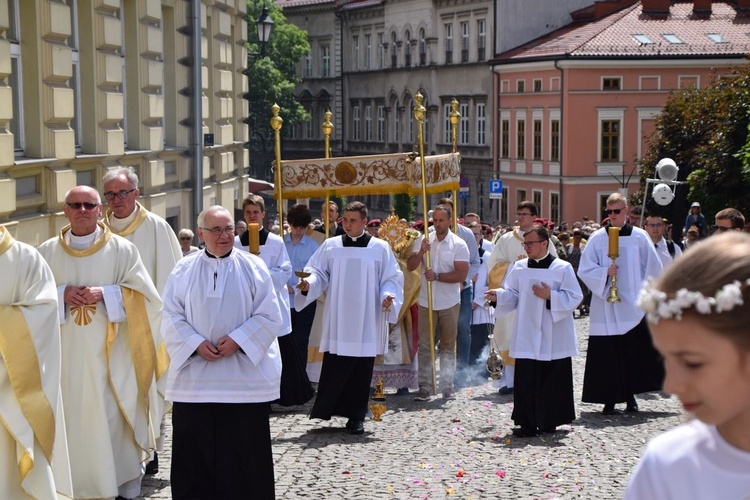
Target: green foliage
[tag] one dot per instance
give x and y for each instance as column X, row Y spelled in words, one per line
column 271, row 79
column 403, row 206
column 705, row 131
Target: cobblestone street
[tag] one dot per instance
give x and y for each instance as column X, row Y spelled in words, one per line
column 460, row 448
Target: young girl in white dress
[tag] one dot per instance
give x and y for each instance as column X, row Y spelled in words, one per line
column 699, row 315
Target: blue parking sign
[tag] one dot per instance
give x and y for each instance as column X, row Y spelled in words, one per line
column 496, row 189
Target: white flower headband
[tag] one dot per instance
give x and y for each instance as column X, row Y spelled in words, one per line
column 659, row 306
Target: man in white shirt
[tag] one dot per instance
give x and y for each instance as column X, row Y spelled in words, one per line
column 449, row 267
column 220, row 327
column 667, row 250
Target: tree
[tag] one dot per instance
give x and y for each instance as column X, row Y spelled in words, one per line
column 705, row 131
column 272, row 78
column 403, row 206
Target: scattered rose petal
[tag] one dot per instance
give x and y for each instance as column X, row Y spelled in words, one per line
column 346, row 472
column 500, row 474
column 545, row 475
column 449, row 491
column 455, row 420
column 460, row 473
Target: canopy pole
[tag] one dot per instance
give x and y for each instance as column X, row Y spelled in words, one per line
column 276, row 123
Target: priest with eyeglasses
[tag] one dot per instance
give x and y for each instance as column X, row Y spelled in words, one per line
column 221, row 322
column 108, row 308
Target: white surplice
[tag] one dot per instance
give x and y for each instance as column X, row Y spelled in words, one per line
column 638, row 260
column 276, row 258
column 539, row 333
column 29, row 290
column 357, row 280
column 110, row 433
column 209, row 298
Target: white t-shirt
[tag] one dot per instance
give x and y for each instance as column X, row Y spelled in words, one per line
column 691, row 461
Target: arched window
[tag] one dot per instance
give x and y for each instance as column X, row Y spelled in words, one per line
column 422, row 48
column 407, row 48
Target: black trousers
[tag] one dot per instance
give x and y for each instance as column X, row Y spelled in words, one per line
column 543, row 396
column 221, row 451
column 302, row 322
column 344, row 388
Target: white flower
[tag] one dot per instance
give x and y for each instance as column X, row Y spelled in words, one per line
column 729, row 296
column 703, row 305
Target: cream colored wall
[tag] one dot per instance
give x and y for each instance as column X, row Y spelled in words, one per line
column 154, row 107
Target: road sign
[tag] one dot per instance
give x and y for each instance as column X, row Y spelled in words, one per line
column 496, row 189
column 463, row 193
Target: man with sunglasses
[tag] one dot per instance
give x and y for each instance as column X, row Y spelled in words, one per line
column 729, row 219
column 508, row 250
column 621, row 361
column 545, row 291
column 108, row 309
column 159, row 250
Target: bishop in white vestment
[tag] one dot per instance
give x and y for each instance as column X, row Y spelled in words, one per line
column 33, row 447
column 365, row 289
column 108, row 307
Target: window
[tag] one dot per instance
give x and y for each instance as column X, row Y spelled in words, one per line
column 16, row 124
column 504, row 206
column 463, row 126
column 381, row 124
column 520, row 195
column 75, row 79
column 610, row 140
column 356, row 123
column 555, row 141
column 407, row 49
column 643, row 39
column 611, row 83
column 481, row 40
column 397, row 124
column 412, row 130
column 537, row 140
column 86, row 178
column 368, row 51
column 521, row 139
column 355, row 46
column 554, row 207
column 715, row 37
column 465, row 42
column 520, row 86
column 537, row 200
column 381, row 51
column 537, row 84
column 394, row 51
column 368, row 122
column 422, row 48
column 672, row 38
column 505, row 139
column 308, row 127
column 308, row 65
column 325, row 66
column 481, row 125
column 448, row 43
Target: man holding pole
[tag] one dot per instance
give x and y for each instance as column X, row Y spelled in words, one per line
column 621, row 360
column 449, row 266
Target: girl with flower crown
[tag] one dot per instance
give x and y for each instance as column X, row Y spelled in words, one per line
column 699, row 315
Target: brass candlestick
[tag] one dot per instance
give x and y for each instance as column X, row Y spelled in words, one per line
column 613, row 295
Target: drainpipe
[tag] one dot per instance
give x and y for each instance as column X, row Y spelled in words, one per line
column 562, row 142
column 196, row 108
column 341, row 119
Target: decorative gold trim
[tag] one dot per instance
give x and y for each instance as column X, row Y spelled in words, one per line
column 21, row 361
column 141, row 339
column 140, row 218
column 98, row 244
column 83, row 315
column 162, row 360
column 6, row 240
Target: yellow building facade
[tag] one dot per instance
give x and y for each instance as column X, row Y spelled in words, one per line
column 90, row 84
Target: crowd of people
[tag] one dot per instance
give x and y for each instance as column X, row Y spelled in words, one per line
column 119, row 320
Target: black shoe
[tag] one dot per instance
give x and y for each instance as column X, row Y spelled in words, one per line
column 505, row 391
column 524, row 432
column 403, row 391
column 548, row 430
column 355, row 426
column 153, row 466
column 632, row 405
column 609, row 409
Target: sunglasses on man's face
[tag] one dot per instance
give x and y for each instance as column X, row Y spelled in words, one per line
column 76, row 205
column 611, row 211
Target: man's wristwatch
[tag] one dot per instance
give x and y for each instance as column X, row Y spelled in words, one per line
column 437, row 276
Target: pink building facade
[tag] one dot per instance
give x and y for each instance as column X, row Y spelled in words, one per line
column 575, row 108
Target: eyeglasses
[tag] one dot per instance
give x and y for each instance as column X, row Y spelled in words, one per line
column 185, row 238
column 76, row 205
column 523, row 214
column 611, row 211
column 216, row 231
column 721, row 229
column 527, row 244
column 654, row 225
column 110, row 195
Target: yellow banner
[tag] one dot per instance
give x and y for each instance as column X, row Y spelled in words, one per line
column 373, row 174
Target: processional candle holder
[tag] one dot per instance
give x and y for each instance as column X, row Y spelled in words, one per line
column 253, row 233
column 614, row 253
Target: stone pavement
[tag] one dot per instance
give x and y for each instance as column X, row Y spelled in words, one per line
column 460, row 448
